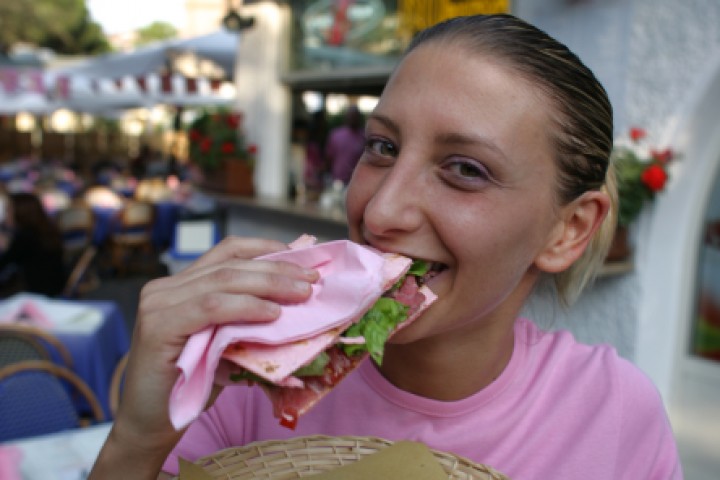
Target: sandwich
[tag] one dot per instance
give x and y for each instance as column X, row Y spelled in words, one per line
column 363, row 297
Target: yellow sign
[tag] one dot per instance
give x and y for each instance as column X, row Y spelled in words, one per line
column 416, row 15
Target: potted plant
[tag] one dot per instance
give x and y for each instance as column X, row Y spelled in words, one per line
column 641, row 173
column 218, row 147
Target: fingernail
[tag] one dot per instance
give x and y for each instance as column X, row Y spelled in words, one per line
column 299, row 285
column 312, row 273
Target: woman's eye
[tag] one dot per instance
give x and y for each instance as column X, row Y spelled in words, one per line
column 381, row 147
column 468, row 170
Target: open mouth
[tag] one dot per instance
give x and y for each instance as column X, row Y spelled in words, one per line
column 435, row 268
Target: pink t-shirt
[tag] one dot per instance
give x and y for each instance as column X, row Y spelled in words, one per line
column 559, row 410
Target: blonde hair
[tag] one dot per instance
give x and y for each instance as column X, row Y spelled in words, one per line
column 570, row 283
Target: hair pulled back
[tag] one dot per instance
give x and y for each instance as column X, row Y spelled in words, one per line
column 582, row 125
column 30, row 216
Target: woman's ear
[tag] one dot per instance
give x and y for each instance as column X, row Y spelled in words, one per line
column 578, row 222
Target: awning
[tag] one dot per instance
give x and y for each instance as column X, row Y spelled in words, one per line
column 140, row 78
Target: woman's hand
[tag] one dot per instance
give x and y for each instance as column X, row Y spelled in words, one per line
column 224, row 285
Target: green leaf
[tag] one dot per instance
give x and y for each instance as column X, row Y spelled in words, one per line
column 314, row 368
column 375, row 326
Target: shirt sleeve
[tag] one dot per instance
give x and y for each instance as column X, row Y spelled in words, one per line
column 647, row 447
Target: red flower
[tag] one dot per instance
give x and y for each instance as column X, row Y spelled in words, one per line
column 205, row 145
column 637, row 134
column 195, row 135
column 662, row 156
column 654, row 177
column 227, row 147
column 252, row 149
column 233, row 120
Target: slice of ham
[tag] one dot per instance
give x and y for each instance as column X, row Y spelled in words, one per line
column 352, row 277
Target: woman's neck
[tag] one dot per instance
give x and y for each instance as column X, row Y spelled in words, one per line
column 453, row 365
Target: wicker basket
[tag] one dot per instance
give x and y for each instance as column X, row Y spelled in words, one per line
column 305, row 456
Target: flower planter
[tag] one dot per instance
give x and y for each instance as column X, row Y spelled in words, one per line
column 239, row 178
column 233, row 177
column 620, row 248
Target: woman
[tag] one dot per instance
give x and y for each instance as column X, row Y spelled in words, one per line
column 35, row 250
column 504, row 137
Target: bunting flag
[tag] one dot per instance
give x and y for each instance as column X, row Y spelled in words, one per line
column 62, row 88
column 88, row 93
column 173, row 85
column 10, row 81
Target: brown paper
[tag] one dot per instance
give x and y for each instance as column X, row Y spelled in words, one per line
column 190, row 471
column 400, row 461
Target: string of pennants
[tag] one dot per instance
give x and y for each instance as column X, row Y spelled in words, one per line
column 15, row 81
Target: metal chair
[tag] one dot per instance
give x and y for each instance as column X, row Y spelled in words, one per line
column 81, row 278
column 36, row 398
column 20, row 342
column 116, row 384
column 76, row 223
column 16, row 347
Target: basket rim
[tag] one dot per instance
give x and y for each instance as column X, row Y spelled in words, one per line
column 263, row 455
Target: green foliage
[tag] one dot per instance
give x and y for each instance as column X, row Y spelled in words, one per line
column 63, row 26
column 155, row 32
column 215, row 136
column 631, row 191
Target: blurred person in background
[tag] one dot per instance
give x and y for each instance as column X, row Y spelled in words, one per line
column 32, row 260
column 315, row 164
column 345, row 145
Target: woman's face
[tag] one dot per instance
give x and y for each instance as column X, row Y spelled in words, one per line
column 458, row 169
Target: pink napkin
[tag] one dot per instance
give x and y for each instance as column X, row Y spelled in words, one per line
column 10, row 458
column 350, row 280
column 30, row 314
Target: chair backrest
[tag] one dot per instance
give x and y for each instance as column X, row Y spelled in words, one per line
column 17, row 346
column 20, row 342
column 36, row 399
column 78, row 271
column 77, row 216
column 136, row 214
column 116, row 384
column 76, row 224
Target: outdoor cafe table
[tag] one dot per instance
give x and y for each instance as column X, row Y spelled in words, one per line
column 66, row 455
column 94, row 332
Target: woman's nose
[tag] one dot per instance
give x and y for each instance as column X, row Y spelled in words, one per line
column 397, row 204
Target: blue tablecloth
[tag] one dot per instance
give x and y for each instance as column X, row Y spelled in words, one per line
column 96, row 354
column 166, row 217
column 103, row 224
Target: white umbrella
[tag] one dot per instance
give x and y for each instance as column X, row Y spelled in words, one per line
column 219, row 47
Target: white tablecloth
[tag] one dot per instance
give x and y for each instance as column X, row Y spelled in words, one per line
column 56, row 315
column 66, row 455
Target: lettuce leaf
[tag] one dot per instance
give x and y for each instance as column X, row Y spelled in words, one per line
column 375, row 326
column 418, row 268
column 314, row 368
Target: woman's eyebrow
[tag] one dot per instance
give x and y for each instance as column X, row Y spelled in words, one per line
column 447, row 138
column 386, row 121
column 455, row 138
